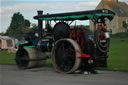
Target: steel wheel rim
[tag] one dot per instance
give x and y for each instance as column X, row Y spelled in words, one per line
column 76, row 62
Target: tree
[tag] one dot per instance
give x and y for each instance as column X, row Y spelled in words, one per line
column 18, row 25
column 31, row 31
column 27, row 23
column 17, row 21
column 34, row 28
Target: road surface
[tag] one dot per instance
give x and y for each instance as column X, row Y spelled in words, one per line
column 11, row 75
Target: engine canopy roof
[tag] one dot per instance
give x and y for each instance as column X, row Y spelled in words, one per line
column 81, row 15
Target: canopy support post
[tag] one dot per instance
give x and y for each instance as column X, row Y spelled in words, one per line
column 94, row 24
column 40, row 24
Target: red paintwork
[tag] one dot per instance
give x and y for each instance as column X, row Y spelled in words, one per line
column 83, row 54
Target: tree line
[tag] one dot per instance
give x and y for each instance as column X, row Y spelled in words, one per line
column 20, row 27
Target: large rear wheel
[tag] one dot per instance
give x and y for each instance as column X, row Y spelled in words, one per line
column 65, row 59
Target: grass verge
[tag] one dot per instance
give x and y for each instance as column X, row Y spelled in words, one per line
column 118, row 55
column 7, row 58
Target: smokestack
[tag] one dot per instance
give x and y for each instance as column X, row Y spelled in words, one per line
column 39, row 12
column 40, row 23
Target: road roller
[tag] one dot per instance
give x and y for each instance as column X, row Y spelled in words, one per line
column 70, row 47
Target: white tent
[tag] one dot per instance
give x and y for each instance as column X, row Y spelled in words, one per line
column 7, row 42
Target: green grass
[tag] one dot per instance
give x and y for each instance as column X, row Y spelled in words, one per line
column 48, row 63
column 7, row 58
column 117, row 60
column 120, row 35
column 118, row 54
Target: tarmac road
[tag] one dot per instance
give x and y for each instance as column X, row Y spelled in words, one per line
column 11, row 75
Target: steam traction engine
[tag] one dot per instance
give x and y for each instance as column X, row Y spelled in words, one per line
column 71, row 48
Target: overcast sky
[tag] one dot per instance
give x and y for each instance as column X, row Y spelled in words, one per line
column 29, row 7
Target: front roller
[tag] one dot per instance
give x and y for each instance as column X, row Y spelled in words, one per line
column 29, row 57
column 65, row 59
